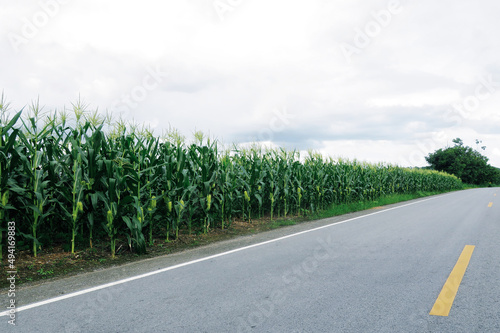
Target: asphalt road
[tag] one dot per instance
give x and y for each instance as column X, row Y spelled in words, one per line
column 379, row 271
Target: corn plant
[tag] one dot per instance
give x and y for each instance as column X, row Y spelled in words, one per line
column 226, row 181
column 179, row 210
column 274, row 190
column 135, row 224
column 115, row 198
column 94, row 172
column 9, row 160
column 37, row 168
column 77, row 193
column 86, row 171
column 169, row 217
column 150, row 217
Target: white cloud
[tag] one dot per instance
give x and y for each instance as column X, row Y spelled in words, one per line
column 227, row 76
column 418, row 99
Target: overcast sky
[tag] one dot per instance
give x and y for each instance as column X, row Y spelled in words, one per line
column 378, row 81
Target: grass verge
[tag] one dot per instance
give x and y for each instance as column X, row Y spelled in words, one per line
column 364, row 205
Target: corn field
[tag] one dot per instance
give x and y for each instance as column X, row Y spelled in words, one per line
column 80, row 179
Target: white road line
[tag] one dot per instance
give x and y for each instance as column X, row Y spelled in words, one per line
column 137, row 277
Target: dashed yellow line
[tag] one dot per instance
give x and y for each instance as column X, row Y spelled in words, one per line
column 490, row 204
column 443, row 303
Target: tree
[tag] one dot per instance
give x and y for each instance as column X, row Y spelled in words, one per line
column 465, row 163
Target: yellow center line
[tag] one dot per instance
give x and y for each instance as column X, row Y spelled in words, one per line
column 443, row 303
column 490, row 204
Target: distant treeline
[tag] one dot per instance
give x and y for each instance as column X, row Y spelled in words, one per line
column 466, row 163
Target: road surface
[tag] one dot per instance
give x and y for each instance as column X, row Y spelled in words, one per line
column 382, row 270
